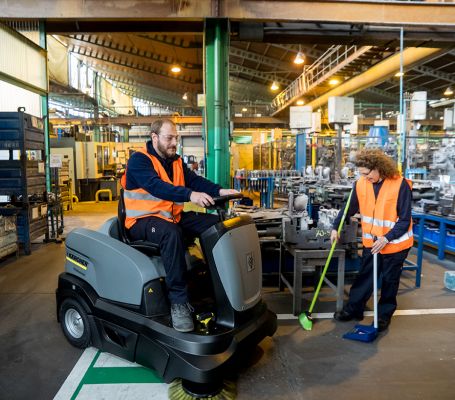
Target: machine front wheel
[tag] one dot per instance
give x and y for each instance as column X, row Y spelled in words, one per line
column 75, row 324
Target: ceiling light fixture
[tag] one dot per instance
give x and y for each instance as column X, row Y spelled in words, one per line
column 244, row 109
column 185, row 96
column 300, row 102
column 334, row 82
column 448, row 91
column 399, row 74
column 274, row 86
column 299, row 58
column 176, row 69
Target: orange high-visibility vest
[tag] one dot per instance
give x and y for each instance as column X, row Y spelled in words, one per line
column 140, row 204
column 379, row 215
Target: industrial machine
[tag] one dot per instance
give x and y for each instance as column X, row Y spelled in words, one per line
column 112, row 296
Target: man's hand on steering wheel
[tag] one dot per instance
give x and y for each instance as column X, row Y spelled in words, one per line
column 201, row 199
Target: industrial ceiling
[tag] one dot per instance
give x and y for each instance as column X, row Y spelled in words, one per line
column 260, row 53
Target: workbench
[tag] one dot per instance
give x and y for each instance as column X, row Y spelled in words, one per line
column 439, row 241
column 311, row 261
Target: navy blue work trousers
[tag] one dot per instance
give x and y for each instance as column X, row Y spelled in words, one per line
column 170, row 238
column 390, row 266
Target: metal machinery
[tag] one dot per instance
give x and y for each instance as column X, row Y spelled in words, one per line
column 309, row 204
column 300, row 230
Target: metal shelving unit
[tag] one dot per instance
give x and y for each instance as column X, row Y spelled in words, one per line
column 22, row 174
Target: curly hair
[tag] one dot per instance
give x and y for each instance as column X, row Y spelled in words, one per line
column 377, row 159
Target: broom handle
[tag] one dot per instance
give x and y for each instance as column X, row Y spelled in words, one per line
column 329, row 258
column 375, row 289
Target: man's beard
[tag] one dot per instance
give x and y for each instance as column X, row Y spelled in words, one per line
column 168, row 152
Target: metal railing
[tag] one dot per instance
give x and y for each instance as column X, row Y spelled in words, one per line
column 332, row 61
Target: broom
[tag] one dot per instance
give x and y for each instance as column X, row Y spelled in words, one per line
column 305, row 318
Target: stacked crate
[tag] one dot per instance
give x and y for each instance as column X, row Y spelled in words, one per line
column 22, row 174
column 8, row 232
column 65, row 185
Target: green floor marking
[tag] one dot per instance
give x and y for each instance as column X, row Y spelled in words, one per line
column 103, row 375
column 120, row 375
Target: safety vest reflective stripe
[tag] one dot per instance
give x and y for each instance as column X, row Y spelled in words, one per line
column 378, row 222
column 401, row 239
column 128, row 194
column 136, row 214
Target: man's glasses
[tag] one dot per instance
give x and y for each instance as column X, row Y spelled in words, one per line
column 170, row 138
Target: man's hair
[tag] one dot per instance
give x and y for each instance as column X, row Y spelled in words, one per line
column 158, row 124
column 377, row 159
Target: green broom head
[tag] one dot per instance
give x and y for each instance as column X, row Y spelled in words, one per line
column 306, row 321
column 186, row 390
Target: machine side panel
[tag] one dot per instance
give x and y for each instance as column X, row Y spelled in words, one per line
column 238, row 261
column 115, row 270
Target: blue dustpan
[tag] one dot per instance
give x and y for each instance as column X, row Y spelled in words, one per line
column 367, row 333
column 362, row 333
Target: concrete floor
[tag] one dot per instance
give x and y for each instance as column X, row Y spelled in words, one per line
column 414, row 359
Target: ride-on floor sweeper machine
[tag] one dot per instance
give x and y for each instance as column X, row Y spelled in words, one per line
column 112, row 296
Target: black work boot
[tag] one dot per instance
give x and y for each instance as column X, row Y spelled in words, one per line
column 345, row 316
column 182, row 320
column 383, row 324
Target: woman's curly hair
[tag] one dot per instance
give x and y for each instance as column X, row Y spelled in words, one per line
column 377, row 159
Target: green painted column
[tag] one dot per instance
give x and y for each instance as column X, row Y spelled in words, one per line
column 216, row 116
column 96, row 110
column 45, row 110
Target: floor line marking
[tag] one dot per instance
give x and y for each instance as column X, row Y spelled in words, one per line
column 81, row 383
column 423, row 311
column 155, row 391
column 108, row 360
column 77, row 373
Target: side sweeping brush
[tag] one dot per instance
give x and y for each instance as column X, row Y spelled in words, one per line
column 184, row 390
column 305, row 318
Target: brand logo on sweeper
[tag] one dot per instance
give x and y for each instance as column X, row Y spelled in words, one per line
column 249, row 262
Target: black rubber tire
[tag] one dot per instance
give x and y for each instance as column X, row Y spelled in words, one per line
column 78, row 335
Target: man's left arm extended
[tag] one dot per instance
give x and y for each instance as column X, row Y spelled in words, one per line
column 198, row 183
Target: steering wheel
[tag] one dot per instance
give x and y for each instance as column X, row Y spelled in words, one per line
column 220, row 201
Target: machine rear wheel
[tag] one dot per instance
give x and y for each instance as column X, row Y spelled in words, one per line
column 75, row 324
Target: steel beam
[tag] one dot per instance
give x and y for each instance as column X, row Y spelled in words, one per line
column 126, row 77
column 435, row 73
column 258, row 58
column 115, row 9
column 129, row 120
column 393, row 13
column 94, row 40
column 192, row 12
column 171, row 41
column 109, row 58
column 266, row 76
